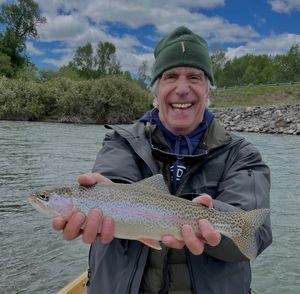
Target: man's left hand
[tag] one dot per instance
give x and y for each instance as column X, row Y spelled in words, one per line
column 207, row 233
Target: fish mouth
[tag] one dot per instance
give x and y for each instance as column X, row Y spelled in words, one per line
column 39, row 205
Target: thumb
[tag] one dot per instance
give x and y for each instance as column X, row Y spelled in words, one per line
column 89, row 179
column 204, row 199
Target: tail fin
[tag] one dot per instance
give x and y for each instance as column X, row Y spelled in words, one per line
column 246, row 240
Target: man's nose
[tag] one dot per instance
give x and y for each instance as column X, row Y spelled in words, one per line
column 182, row 86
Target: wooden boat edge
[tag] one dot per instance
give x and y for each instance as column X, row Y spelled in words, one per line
column 77, row 286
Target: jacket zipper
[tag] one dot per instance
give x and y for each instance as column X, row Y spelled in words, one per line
column 134, row 270
column 252, row 176
column 189, row 263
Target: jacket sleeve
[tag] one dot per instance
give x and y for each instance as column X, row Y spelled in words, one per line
column 116, row 160
column 245, row 185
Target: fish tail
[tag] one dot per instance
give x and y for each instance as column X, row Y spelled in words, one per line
column 246, row 239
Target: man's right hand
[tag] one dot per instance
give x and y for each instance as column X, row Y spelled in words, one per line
column 91, row 226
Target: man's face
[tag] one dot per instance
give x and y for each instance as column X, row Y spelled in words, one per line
column 182, row 95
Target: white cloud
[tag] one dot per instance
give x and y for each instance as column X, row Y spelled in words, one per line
column 277, row 44
column 237, row 52
column 64, row 60
column 33, row 50
column 285, row 6
column 74, row 23
column 62, row 50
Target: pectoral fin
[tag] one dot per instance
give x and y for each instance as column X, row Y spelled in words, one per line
column 151, row 243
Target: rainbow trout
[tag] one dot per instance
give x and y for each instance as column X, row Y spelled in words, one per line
column 145, row 211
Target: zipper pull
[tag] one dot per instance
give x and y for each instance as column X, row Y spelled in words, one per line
column 88, row 277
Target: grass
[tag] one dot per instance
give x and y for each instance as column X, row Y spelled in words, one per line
column 255, row 96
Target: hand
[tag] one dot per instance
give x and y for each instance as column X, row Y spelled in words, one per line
column 91, row 226
column 208, row 235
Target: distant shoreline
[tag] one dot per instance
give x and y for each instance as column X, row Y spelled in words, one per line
column 274, row 119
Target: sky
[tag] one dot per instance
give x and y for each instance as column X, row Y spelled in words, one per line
column 135, row 26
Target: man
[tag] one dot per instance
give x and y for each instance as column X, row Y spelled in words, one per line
column 180, row 139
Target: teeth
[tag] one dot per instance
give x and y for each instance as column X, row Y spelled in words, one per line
column 182, row 106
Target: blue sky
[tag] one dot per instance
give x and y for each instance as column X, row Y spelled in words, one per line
column 134, row 27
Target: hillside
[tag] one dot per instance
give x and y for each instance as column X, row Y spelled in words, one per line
column 256, row 95
column 264, row 109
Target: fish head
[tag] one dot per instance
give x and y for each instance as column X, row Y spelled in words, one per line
column 53, row 202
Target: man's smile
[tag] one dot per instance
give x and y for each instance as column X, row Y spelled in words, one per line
column 181, row 105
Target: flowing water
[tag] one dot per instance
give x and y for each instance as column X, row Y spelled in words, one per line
column 35, row 259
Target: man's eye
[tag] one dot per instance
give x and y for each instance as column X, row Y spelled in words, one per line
column 169, row 77
column 197, row 78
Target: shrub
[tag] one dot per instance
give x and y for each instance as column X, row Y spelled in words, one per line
column 116, row 99
column 111, row 99
column 21, row 100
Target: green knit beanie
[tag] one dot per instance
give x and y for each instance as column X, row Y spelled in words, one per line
column 181, row 47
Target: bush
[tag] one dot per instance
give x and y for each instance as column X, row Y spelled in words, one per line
column 115, row 99
column 20, row 100
column 69, row 97
column 112, row 99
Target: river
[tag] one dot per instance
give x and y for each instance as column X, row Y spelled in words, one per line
column 35, row 259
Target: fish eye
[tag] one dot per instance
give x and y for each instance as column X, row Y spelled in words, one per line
column 43, row 196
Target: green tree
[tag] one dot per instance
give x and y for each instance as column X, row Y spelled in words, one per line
column 218, row 60
column 84, row 61
column 69, row 71
column 27, row 73
column 257, row 69
column 5, row 65
column 233, row 71
column 19, row 22
column 143, row 77
column 47, row 74
column 106, row 59
column 293, row 63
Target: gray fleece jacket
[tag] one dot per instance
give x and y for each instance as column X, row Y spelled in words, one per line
column 232, row 172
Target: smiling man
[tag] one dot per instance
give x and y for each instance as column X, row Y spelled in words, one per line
column 182, row 94
column 181, row 139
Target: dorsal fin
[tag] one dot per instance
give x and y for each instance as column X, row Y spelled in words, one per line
column 155, row 182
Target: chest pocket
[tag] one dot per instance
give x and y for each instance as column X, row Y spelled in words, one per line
column 206, row 179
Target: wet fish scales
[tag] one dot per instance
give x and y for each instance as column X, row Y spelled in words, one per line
column 145, row 211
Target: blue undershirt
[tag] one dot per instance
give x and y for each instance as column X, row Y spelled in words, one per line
column 184, row 145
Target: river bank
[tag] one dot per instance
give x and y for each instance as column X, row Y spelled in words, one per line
column 275, row 119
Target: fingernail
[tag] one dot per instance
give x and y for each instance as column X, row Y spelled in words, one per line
column 80, row 218
column 187, row 228
column 95, row 212
column 166, row 239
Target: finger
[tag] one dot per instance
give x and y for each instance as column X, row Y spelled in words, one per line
column 205, row 200
column 108, row 230
column 208, row 233
column 93, row 224
column 89, row 179
column 172, row 242
column 58, row 223
column 194, row 244
column 73, row 227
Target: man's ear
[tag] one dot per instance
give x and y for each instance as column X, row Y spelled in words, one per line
column 155, row 101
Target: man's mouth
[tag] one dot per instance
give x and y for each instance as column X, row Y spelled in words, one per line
column 181, row 105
